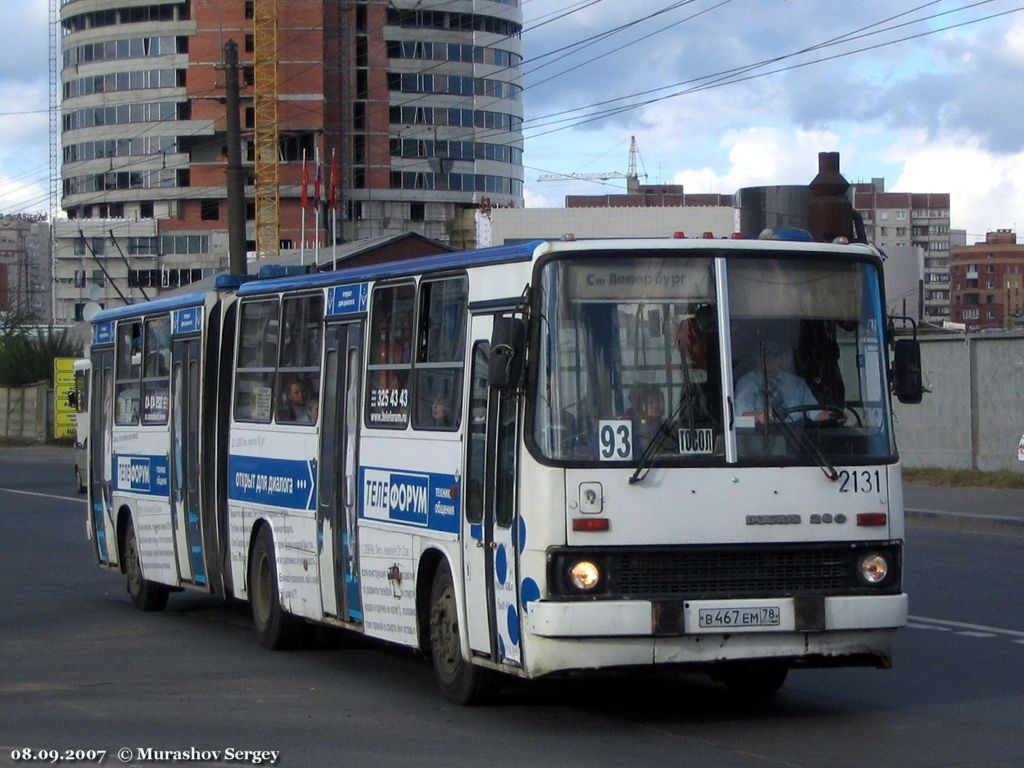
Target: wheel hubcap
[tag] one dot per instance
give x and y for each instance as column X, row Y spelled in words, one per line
column 444, row 632
column 261, row 598
column 133, row 568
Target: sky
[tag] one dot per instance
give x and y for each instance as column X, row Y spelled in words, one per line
column 938, row 112
column 926, row 95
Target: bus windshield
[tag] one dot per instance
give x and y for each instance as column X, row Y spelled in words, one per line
column 630, row 361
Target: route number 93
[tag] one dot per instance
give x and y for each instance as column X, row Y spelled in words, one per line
column 616, row 439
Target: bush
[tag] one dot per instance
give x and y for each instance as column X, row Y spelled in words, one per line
column 25, row 359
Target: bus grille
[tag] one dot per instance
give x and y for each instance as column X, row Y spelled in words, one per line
column 730, row 572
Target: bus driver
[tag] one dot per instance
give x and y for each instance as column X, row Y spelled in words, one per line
column 785, row 390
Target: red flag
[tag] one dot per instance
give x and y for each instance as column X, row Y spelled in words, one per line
column 333, row 191
column 316, row 183
column 304, row 195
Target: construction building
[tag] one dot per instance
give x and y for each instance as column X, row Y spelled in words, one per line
column 987, row 282
column 359, row 119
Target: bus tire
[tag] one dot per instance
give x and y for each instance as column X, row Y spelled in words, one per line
column 751, row 683
column 460, row 681
column 276, row 629
column 147, row 595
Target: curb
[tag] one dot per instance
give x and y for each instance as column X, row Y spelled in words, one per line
column 955, row 521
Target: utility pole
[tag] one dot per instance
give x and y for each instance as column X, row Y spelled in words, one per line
column 236, row 179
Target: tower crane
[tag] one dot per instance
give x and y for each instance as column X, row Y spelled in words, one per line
column 631, row 176
column 265, row 97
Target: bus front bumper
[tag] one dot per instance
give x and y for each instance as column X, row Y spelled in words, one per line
column 829, row 631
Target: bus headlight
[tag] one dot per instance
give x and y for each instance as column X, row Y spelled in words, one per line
column 873, row 568
column 585, row 575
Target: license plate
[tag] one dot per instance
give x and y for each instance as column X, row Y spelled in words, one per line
column 724, row 618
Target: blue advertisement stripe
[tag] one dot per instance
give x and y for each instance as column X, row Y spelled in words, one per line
column 422, row 499
column 145, row 475
column 289, row 483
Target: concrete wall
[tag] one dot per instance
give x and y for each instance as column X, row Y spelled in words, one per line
column 972, row 417
column 23, row 412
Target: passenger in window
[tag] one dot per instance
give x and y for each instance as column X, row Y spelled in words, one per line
column 698, row 354
column 772, row 388
column 647, row 412
column 441, row 411
column 297, row 403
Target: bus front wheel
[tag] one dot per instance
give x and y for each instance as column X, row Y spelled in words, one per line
column 147, row 595
column 275, row 628
column 461, row 681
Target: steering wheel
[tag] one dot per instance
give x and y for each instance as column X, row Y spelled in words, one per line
column 807, row 408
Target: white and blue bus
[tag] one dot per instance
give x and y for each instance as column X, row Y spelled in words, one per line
column 533, row 459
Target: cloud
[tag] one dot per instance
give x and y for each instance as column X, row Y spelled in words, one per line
column 762, row 156
column 24, row 94
column 989, row 188
column 954, row 83
column 24, row 54
column 537, row 198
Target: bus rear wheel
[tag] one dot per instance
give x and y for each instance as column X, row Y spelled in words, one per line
column 460, row 681
column 275, row 628
column 147, row 595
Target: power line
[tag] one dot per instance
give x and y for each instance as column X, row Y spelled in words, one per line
column 737, row 75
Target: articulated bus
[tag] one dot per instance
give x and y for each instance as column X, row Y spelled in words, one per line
column 542, row 458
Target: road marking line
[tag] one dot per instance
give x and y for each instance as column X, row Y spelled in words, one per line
column 960, row 625
column 44, row 495
column 978, row 634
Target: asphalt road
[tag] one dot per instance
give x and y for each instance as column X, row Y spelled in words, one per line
column 80, row 668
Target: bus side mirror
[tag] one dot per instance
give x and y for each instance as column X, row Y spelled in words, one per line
column 508, row 353
column 73, row 399
column 907, row 384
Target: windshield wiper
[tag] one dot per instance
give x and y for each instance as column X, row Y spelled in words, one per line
column 803, row 441
column 643, row 463
column 797, row 437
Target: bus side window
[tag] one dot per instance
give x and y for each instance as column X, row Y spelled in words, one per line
column 156, row 371
column 128, row 372
column 390, row 362
column 257, row 359
column 298, row 375
column 476, row 451
column 440, row 353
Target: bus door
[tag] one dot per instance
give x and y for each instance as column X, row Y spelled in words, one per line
column 101, row 423
column 185, row 499
column 490, row 527
column 336, row 483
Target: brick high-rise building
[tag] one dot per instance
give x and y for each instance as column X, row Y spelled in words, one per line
column 420, row 107
column 988, row 282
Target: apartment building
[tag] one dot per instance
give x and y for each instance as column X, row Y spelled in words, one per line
column 988, row 282
column 918, row 220
column 25, row 280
